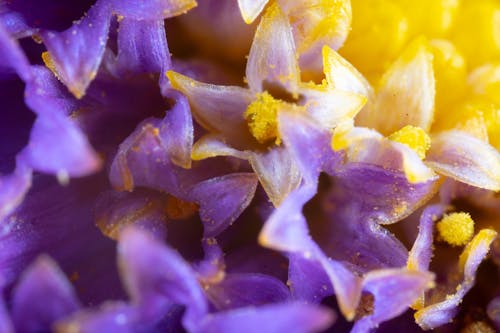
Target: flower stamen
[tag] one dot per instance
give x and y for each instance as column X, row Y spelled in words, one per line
column 456, row 229
column 261, row 116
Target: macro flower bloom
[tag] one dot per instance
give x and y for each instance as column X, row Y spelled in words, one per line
column 342, row 177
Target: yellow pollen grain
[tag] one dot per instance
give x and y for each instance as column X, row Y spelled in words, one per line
column 261, row 116
column 413, row 137
column 456, row 229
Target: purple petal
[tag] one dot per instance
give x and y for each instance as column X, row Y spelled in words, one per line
column 176, row 128
column 110, row 318
column 43, row 296
column 240, row 290
column 13, row 188
column 142, row 159
column 420, row 255
column 58, row 220
column 5, row 322
column 74, row 55
column 223, row 199
column 155, row 276
column 57, row 146
column 285, row 317
column 12, row 57
column 309, row 144
column 153, row 9
column 393, row 291
column 141, row 208
column 142, row 47
column 308, row 280
column 14, row 23
column 286, row 229
column 385, row 196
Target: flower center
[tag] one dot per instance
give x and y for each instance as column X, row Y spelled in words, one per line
column 456, row 229
column 261, row 116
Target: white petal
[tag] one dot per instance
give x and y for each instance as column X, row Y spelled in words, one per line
column 250, row 9
column 272, row 58
column 406, row 96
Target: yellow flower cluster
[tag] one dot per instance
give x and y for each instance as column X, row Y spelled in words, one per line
column 463, row 41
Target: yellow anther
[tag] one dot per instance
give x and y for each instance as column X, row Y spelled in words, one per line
column 261, row 116
column 413, row 137
column 456, row 228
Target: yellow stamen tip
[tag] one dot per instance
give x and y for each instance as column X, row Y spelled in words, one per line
column 413, row 137
column 261, row 116
column 456, row 228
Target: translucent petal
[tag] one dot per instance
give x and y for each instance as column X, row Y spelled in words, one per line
column 250, row 9
column 406, row 95
column 217, row 108
column 277, row 171
column 465, row 158
column 273, row 59
column 340, row 74
column 212, row 145
column 316, row 23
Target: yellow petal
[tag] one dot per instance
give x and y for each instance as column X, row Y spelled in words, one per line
column 485, row 82
column 477, row 31
column 451, row 75
column 477, row 117
column 379, row 32
column 430, row 17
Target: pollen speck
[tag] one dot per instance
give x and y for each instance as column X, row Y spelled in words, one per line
column 456, row 228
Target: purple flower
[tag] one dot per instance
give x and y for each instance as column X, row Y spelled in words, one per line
column 154, row 186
